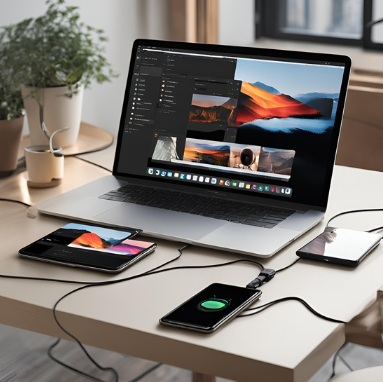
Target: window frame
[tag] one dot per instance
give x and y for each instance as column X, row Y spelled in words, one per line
column 269, row 13
column 367, row 30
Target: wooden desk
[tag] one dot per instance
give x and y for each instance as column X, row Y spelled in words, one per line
column 284, row 343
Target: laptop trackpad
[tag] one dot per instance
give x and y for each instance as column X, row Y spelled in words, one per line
column 158, row 221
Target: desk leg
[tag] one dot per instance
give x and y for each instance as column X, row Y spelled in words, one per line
column 197, row 377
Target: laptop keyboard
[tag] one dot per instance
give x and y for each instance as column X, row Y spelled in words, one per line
column 235, row 212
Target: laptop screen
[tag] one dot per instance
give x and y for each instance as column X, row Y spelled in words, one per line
column 249, row 121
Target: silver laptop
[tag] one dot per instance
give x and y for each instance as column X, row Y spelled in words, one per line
column 224, row 147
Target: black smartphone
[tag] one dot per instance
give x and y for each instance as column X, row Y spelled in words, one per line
column 89, row 246
column 340, row 246
column 211, row 308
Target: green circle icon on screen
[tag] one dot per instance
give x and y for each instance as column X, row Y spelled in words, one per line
column 213, row 305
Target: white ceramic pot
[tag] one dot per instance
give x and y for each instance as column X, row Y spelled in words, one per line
column 59, row 112
column 44, row 169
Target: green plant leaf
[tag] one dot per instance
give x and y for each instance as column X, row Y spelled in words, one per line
column 55, row 49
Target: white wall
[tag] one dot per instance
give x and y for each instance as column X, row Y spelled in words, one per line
column 123, row 22
column 236, row 22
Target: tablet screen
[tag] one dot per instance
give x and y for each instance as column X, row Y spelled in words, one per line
column 88, row 245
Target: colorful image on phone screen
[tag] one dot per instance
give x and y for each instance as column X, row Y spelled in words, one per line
column 129, row 247
column 102, row 239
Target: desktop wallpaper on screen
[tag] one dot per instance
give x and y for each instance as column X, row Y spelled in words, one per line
column 287, row 97
column 293, row 107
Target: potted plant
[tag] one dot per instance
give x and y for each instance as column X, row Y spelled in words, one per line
column 11, row 117
column 55, row 56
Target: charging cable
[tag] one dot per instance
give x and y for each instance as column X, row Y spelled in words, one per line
column 31, row 210
column 289, row 298
column 265, row 276
column 55, row 151
column 357, row 211
column 152, row 271
column 85, row 285
column 336, row 355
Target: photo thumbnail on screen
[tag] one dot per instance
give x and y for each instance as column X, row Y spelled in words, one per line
column 165, row 148
column 213, row 109
column 226, row 156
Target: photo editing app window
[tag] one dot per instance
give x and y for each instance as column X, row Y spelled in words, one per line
column 244, row 119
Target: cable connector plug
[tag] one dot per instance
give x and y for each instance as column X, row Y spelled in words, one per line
column 265, row 276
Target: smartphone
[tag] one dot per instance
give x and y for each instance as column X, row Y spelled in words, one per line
column 340, row 246
column 89, row 246
column 211, row 308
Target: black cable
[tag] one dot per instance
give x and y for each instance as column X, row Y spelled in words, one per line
column 88, row 376
column 95, row 363
column 290, row 298
column 82, row 283
column 266, row 275
column 152, row 271
column 158, row 270
column 114, row 371
column 146, row 372
column 337, row 353
column 334, row 363
column 71, row 368
column 91, row 151
column 85, row 285
column 345, row 362
column 375, row 229
column 89, row 284
column 94, row 164
column 15, row 201
column 58, row 340
column 45, row 279
column 84, row 350
column 353, row 211
column 288, row 266
column 85, row 152
column 76, row 281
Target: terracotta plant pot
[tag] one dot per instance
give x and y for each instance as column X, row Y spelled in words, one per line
column 59, row 112
column 10, row 136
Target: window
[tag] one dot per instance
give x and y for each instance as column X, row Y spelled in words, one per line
column 351, row 22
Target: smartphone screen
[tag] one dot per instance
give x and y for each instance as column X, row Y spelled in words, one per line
column 211, row 307
column 88, row 245
column 340, row 246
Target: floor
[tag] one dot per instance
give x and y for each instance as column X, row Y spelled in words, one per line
column 23, row 358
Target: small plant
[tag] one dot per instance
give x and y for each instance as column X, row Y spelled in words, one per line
column 56, row 49
column 11, row 103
